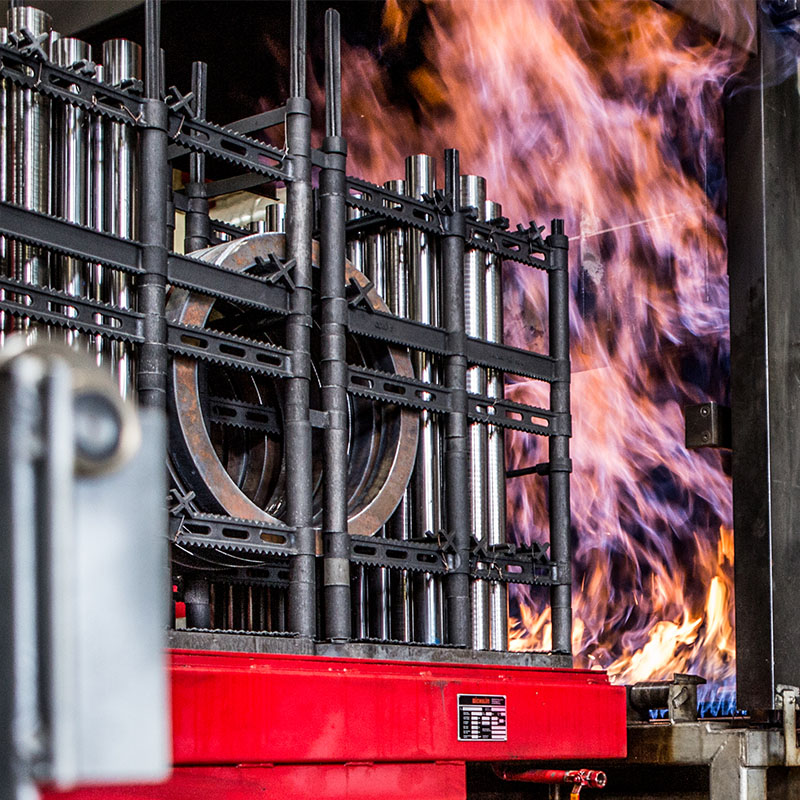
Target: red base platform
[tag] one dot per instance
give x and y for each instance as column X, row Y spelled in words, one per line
column 248, row 725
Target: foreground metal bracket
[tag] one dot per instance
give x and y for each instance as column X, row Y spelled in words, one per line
column 786, row 700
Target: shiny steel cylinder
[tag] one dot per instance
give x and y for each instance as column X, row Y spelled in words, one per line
column 397, row 279
column 29, row 160
column 71, row 148
column 496, row 464
column 359, row 600
column 276, row 217
column 427, row 505
column 400, row 525
column 122, row 63
column 98, row 275
column 377, row 577
column 473, row 194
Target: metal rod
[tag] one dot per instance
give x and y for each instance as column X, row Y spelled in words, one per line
column 377, row 577
column 198, row 224
column 473, row 195
column 459, row 625
column 400, row 524
column 423, row 274
column 4, row 179
column 98, row 275
column 299, row 492
column 496, row 478
column 71, row 155
column 357, row 255
column 154, row 177
column 560, row 467
column 29, row 156
column 122, row 64
column 333, row 188
column 297, row 55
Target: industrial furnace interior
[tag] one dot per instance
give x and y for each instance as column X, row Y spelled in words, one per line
column 409, row 437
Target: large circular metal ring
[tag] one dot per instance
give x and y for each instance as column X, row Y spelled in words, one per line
column 243, row 475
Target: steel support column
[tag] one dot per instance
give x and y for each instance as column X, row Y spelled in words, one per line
column 152, row 285
column 299, row 491
column 560, row 467
column 762, row 132
column 459, row 617
column 333, row 188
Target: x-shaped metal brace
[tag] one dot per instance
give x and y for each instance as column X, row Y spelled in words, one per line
column 181, row 102
column 28, row 44
column 534, row 234
column 183, row 501
column 358, row 295
column 276, row 269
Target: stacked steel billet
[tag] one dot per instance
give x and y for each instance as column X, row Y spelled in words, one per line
column 473, row 196
column 427, row 505
column 496, row 464
column 71, row 143
column 400, row 525
column 333, row 188
column 29, row 154
column 297, row 421
column 122, row 67
column 459, row 624
column 198, row 225
column 560, row 465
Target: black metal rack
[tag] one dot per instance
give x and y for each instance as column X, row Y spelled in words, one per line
column 170, row 125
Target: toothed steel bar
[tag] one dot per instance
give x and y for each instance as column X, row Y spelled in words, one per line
column 421, row 215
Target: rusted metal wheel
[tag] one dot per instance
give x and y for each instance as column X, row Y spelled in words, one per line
column 239, row 471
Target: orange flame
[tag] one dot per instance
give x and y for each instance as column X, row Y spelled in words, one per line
column 607, row 114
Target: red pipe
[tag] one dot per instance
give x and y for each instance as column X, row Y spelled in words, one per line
column 594, row 779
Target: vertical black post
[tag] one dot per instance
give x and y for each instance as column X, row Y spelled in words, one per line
column 333, row 186
column 198, row 225
column 560, row 465
column 762, row 126
column 302, row 585
column 154, row 194
column 459, row 618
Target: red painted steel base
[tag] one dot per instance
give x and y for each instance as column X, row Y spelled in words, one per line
column 234, row 708
column 437, row 781
column 258, row 726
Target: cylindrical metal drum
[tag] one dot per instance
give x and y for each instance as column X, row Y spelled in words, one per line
column 427, row 506
column 29, row 160
column 71, row 154
column 473, row 195
column 496, row 467
column 122, row 63
column 400, row 525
